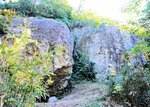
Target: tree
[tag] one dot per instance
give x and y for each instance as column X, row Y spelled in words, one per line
column 140, row 8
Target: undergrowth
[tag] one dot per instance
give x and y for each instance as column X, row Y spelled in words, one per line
column 22, row 67
column 132, row 87
column 82, row 68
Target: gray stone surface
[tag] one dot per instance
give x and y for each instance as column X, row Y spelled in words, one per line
column 51, row 34
column 104, row 45
column 52, row 99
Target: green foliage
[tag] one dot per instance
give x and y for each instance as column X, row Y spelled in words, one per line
column 47, row 8
column 143, row 35
column 133, row 6
column 145, row 20
column 139, row 26
column 85, row 18
column 82, row 69
column 88, row 18
column 5, row 18
column 21, row 75
column 22, row 7
column 133, row 86
column 141, row 48
column 140, row 8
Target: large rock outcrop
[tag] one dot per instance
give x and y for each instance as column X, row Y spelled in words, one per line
column 51, row 34
column 104, row 46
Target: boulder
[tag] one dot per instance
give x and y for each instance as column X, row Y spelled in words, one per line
column 52, row 35
column 52, row 99
column 104, row 46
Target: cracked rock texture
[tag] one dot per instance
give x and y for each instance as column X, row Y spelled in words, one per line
column 104, row 46
column 52, row 35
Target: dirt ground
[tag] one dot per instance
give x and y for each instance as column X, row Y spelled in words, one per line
column 83, row 95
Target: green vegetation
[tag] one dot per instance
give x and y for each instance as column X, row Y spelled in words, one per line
column 139, row 26
column 133, row 86
column 5, row 18
column 82, row 69
column 47, row 8
column 21, row 79
column 21, row 75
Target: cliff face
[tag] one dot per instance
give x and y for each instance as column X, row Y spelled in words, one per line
column 105, row 46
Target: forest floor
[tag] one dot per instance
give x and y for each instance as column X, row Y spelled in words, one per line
column 88, row 94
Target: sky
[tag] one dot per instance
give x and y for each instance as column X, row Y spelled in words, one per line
column 106, row 8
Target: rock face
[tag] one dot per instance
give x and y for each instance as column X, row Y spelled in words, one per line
column 51, row 34
column 104, row 46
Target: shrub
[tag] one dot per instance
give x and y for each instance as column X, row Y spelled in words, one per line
column 22, row 7
column 139, row 25
column 86, row 18
column 133, row 88
column 5, row 18
column 135, row 81
column 83, row 68
column 21, row 75
column 47, row 8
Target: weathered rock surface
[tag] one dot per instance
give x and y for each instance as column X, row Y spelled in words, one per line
column 51, row 34
column 104, row 46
